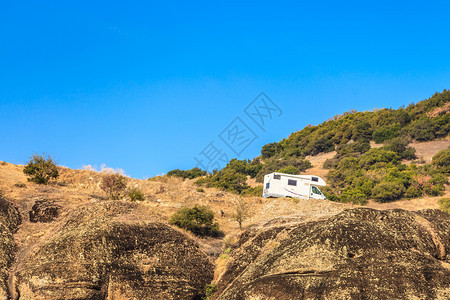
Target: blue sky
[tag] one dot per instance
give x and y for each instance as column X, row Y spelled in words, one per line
column 145, row 86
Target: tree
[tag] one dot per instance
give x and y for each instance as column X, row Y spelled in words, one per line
column 114, row 185
column 240, row 212
column 41, row 169
column 198, row 219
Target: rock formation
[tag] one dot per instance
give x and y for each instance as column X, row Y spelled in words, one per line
column 105, row 252
column 9, row 220
column 357, row 254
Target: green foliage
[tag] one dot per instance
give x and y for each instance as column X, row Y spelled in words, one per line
column 114, row 185
column 198, row 220
column 399, row 146
column 41, row 169
column 253, row 191
column 20, row 184
column 444, row 204
column 388, row 191
column 422, row 129
column 275, row 165
column 442, row 161
column 269, row 150
column 229, row 180
column 289, row 170
column 136, row 194
column 210, row 289
column 379, row 157
column 385, row 133
column 200, row 190
column 377, row 125
column 354, row 195
column 190, row 174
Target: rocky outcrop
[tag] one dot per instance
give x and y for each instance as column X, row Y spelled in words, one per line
column 44, row 211
column 357, row 254
column 106, row 251
column 9, row 220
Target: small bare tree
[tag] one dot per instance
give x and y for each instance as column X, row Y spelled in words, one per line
column 240, row 211
column 114, row 185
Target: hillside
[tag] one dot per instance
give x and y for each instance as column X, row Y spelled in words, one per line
column 378, row 155
column 67, row 239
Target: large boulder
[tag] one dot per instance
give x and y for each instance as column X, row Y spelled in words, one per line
column 9, row 221
column 357, row 254
column 110, row 251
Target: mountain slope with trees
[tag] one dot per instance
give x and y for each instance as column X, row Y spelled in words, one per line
column 357, row 172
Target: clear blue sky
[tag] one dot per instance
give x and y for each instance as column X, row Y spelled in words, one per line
column 145, row 86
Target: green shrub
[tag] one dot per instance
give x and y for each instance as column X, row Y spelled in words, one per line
column 253, row 191
column 229, row 180
column 200, row 190
column 388, row 191
column 269, row 150
column 444, row 203
column 354, row 195
column 413, row 192
column 41, row 169
column 198, row 220
column 378, row 155
column 190, row 174
column 422, row 129
column 114, row 185
column 20, row 185
column 399, row 146
column 136, row 194
column 289, row 170
column 385, row 133
column 209, row 290
column 442, row 161
column 273, row 165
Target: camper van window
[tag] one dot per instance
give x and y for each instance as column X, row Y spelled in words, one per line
column 315, row 190
column 315, row 179
column 292, row 182
column 277, row 176
column 267, row 185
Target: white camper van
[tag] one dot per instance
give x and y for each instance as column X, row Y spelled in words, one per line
column 295, row 186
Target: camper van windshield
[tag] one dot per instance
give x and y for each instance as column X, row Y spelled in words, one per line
column 316, row 190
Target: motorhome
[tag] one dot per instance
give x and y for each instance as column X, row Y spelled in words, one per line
column 295, row 186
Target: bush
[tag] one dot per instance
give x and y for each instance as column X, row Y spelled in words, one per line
column 41, row 169
column 422, row 129
column 20, row 185
column 385, row 133
column 114, row 185
column 229, row 180
column 253, row 191
column 289, row 170
column 136, row 194
column 354, row 195
column 388, row 191
column 444, row 203
column 190, row 174
column 378, row 155
column 413, row 192
column 442, row 161
column 210, row 289
column 200, row 190
column 399, row 146
column 269, row 150
column 198, row 220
